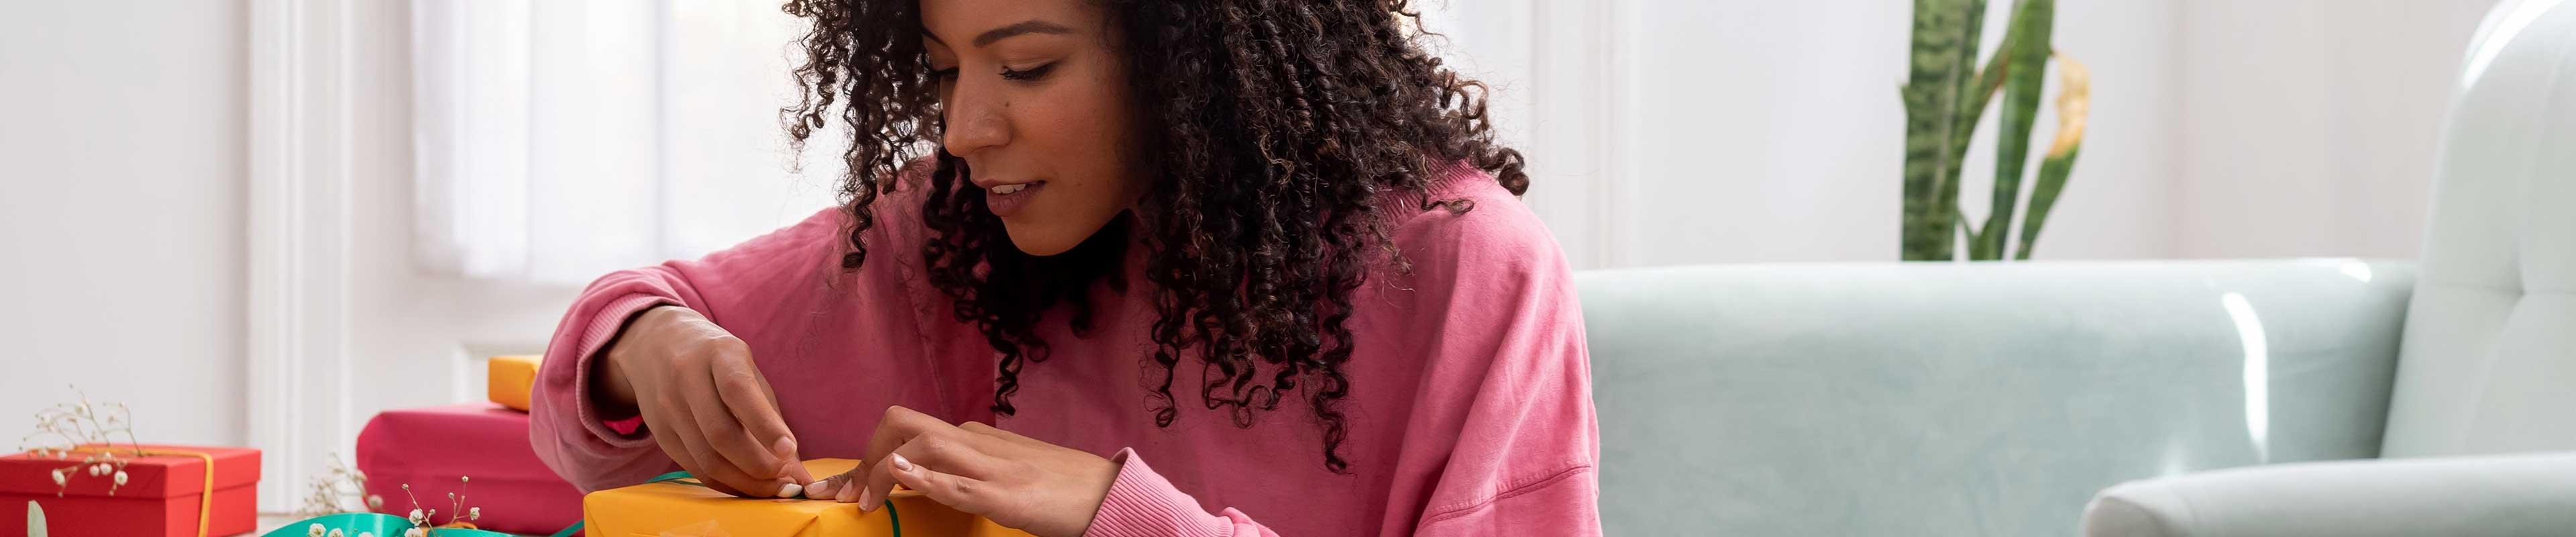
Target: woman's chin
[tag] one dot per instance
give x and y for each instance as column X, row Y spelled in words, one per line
column 1040, row 242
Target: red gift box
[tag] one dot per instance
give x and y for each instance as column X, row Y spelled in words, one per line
column 163, row 493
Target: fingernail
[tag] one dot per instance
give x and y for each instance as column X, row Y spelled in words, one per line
column 901, row 465
column 867, row 500
column 820, row 489
column 785, row 447
column 847, row 494
column 791, row 490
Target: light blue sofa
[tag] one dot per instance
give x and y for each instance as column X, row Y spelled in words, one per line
column 1939, row 399
column 1945, row 399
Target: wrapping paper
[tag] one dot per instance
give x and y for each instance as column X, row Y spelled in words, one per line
column 684, row 509
column 509, row 379
column 162, row 494
column 430, row 448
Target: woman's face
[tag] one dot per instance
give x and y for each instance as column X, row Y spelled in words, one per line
column 1036, row 103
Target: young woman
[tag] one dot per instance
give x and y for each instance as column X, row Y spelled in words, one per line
column 1117, row 267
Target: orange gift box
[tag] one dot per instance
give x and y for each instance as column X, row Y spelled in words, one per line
column 508, row 380
column 683, row 508
column 166, row 493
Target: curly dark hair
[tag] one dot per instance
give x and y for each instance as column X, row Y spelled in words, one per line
column 1280, row 127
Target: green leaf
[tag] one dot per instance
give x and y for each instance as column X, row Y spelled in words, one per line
column 1943, row 49
column 1990, row 81
column 2026, row 72
column 2074, row 106
column 2043, row 196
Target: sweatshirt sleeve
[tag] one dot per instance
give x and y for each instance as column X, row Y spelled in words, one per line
column 1513, row 385
column 568, row 432
column 1143, row 504
column 1503, row 440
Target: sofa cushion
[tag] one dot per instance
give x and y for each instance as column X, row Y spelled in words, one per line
column 2489, row 361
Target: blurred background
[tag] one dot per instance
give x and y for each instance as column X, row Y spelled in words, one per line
column 261, row 221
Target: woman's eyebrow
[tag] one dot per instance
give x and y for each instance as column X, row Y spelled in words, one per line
column 1022, row 27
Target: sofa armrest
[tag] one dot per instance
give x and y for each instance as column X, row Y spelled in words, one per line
column 2528, row 494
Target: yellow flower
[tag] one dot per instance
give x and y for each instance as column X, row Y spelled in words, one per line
column 2074, row 101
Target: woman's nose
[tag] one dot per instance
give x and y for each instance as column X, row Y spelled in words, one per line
column 976, row 121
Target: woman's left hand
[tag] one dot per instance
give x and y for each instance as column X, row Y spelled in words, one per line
column 1016, row 481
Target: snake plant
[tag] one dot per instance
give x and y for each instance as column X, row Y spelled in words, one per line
column 1945, row 95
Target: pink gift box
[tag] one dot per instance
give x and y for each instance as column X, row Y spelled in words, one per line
column 430, row 448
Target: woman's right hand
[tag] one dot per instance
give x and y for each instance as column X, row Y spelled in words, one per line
column 704, row 401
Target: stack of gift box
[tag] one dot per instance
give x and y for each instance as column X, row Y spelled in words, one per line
column 433, row 448
column 125, row 489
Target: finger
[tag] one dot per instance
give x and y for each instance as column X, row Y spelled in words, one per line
column 713, row 470
column 728, row 437
column 950, row 452
column 786, row 445
column 820, row 489
column 838, row 486
column 902, row 430
column 679, row 455
column 960, row 492
column 893, row 428
column 765, row 390
column 756, row 406
column 847, row 494
column 842, row 487
column 711, row 467
column 749, row 397
column 897, row 426
column 669, row 436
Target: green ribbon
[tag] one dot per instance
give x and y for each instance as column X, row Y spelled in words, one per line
column 892, row 522
column 383, row 525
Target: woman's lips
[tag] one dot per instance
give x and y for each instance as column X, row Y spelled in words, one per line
column 1006, row 200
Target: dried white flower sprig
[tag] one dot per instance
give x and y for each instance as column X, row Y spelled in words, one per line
column 458, row 515
column 316, row 531
column 63, row 429
column 324, row 493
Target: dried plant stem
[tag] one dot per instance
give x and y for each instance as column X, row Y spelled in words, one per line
column 90, row 429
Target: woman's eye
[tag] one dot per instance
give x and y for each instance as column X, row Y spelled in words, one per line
column 944, row 74
column 1032, row 73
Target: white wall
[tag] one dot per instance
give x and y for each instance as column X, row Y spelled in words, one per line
column 1759, row 131
column 1774, row 132
column 121, row 213
column 2310, row 125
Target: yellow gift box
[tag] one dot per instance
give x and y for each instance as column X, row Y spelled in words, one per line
column 509, row 378
column 686, row 509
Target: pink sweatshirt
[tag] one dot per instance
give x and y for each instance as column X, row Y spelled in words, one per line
column 1469, row 411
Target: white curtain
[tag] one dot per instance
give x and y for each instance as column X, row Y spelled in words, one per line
column 560, row 140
